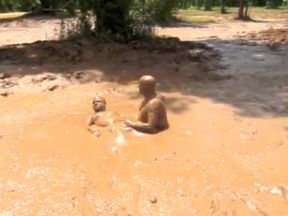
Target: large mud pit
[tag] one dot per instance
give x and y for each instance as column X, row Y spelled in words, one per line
column 225, row 152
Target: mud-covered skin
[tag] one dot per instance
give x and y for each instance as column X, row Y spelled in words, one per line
column 152, row 116
column 99, row 104
column 100, row 118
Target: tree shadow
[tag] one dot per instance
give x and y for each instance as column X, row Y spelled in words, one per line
column 252, row 20
column 261, row 72
column 182, row 24
column 253, row 81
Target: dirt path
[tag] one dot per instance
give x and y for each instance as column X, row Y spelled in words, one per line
column 223, row 31
column 225, row 153
column 32, row 29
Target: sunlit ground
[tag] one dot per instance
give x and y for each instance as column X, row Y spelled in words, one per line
column 5, row 16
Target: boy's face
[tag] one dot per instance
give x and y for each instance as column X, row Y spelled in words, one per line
column 99, row 104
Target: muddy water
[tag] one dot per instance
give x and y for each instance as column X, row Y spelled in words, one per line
column 224, row 154
column 210, row 162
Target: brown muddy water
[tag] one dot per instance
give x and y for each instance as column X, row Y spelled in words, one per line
column 225, row 154
column 210, row 162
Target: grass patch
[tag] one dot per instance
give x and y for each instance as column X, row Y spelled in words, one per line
column 196, row 19
column 192, row 15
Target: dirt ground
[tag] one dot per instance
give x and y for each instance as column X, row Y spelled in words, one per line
column 225, row 153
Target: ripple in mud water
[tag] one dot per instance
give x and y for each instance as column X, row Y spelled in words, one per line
column 280, row 191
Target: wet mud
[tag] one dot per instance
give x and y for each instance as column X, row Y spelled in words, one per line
column 225, row 152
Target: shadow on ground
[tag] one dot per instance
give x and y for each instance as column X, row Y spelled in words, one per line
column 183, row 24
column 253, row 83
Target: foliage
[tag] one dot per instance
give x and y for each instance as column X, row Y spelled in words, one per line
column 184, row 4
column 208, row 5
column 222, row 7
column 14, row 5
column 113, row 17
column 273, row 4
column 126, row 20
column 31, row 5
column 110, row 20
column 162, row 11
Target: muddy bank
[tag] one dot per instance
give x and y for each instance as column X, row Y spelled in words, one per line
column 52, row 65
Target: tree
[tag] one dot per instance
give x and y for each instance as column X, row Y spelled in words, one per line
column 222, row 7
column 243, row 10
column 49, row 4
column 72, row 6
column 14, row 5
column 8, row 5
column 115, row 19
column 124, row 20
column 113, row 16
column 184, row 4
column 208, row 5
column 273, row 4
column 161, row 11
column 199, row 4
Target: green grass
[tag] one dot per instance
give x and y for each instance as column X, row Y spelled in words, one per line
column 196, row 19
column 194, row 16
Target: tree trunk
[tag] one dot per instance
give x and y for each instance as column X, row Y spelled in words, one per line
column 45, row 4
column 199, row 4
column 49, row 6
column 241, row 10
column 112, row 17
column 246, row 6
column 71, row 7
column 208, row 5
column 222, row 7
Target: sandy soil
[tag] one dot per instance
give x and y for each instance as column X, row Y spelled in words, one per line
column 225, row 153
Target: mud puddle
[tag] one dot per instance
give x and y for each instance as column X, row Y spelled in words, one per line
column 206, row 163
column 224, row 154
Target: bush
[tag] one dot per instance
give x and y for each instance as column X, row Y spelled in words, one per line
column 123, row 20
column 9, row 5
column 117, row 20
column 273, row 4
column 120, row 20
column 162, row 11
